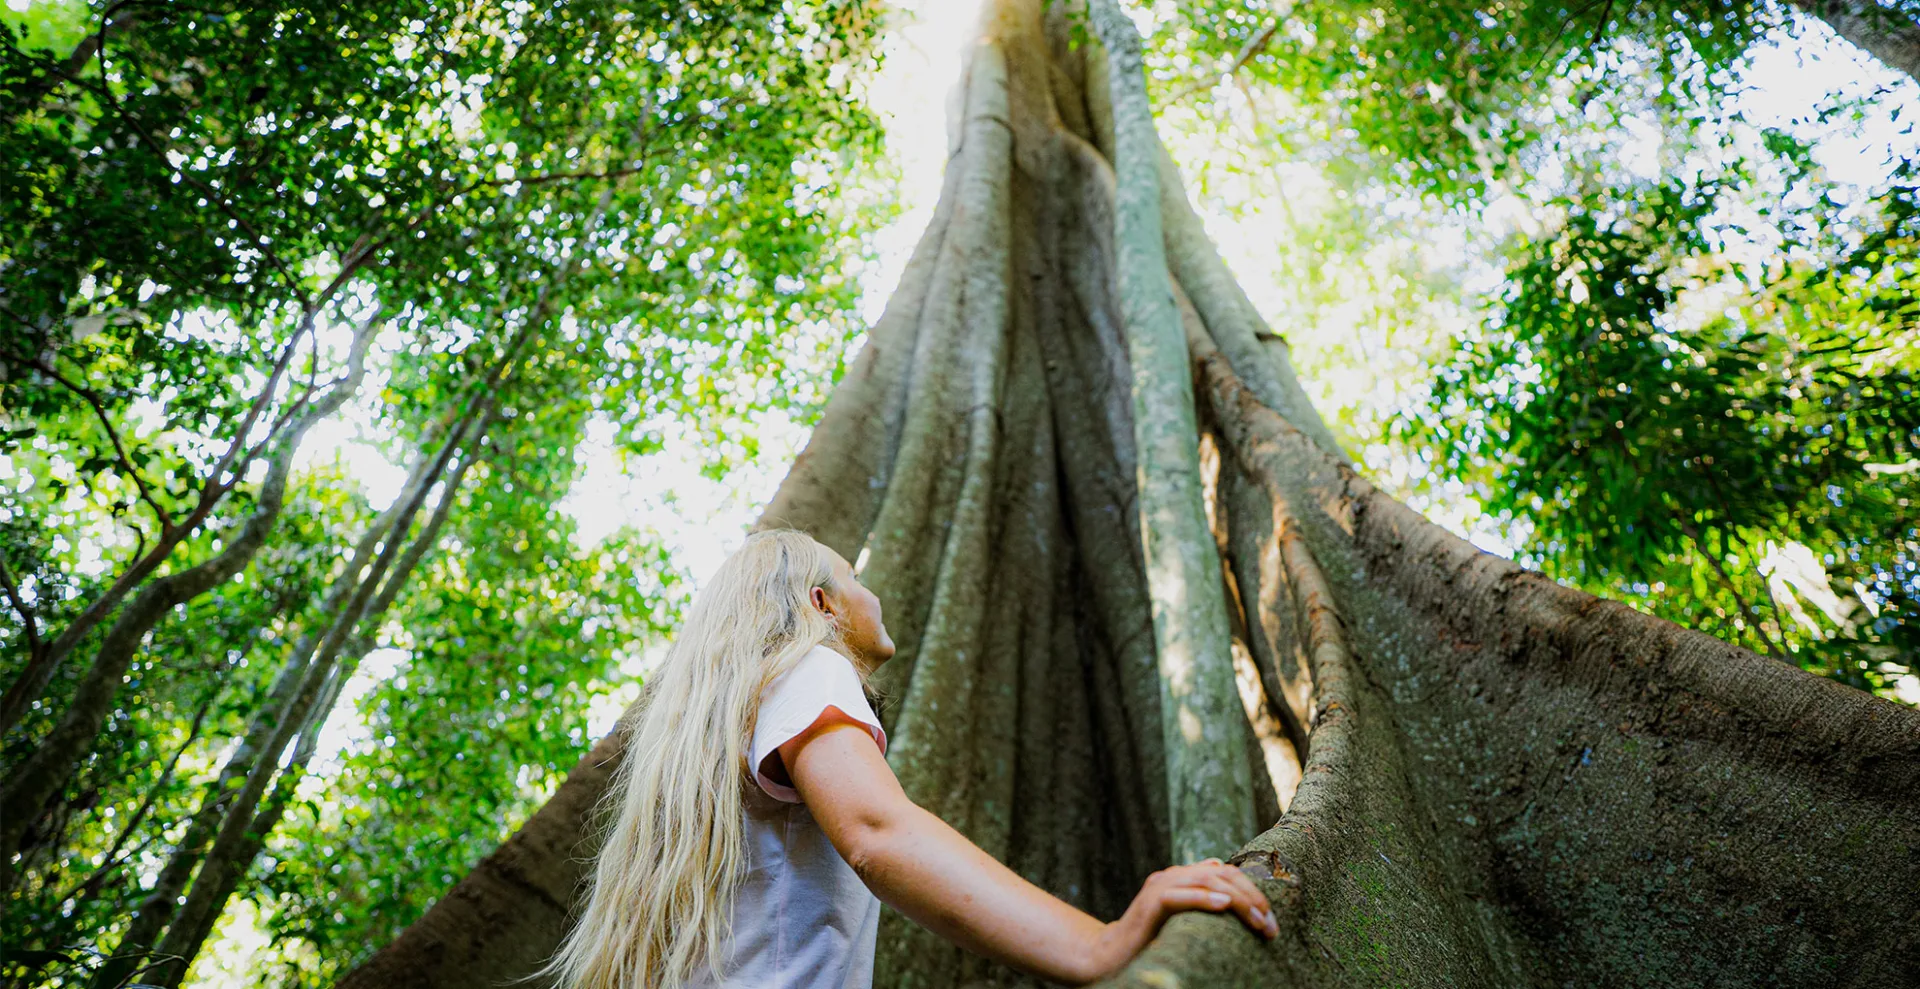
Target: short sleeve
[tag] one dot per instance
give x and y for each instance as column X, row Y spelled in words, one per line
column 794, row 701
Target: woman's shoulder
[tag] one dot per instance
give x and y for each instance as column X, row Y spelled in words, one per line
column 821, row 666
column 824, row 656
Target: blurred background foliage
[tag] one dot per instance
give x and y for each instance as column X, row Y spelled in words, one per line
column 321, row 323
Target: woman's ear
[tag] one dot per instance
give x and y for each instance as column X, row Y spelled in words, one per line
column 820, row 601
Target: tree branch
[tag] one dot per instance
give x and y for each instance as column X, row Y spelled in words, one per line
column 100, row 412
column 1254, row 46
column 89, row 46
column 28, row 627
column 41, row 668
column 95, row 43
column 33, row 782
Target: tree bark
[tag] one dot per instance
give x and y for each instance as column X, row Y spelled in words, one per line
column 1889, row 34
column 1209, row 785
column 1514, row 783
column 1507, row 782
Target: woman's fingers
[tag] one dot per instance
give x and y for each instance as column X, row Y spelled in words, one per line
column 1244, row 885
column 1240, row 880
column 1193, row 898
column 1214, row 868
column 1246, row 900
column 1259, row 910
column 1187, row 874
column 1215, row 887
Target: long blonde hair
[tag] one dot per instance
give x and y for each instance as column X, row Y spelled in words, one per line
column 660, row 901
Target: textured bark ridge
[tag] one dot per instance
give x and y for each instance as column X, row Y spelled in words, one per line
column 1209, row 797
column 1513, row 783
column 1506, row 782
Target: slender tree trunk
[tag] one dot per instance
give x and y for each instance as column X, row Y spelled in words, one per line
column 257, row 757
column 157, row 908
column 228, row 840
column 226, row 867
column 33, row 783
column 46, row 658
column 1507, row 782
column 116, row 857
column 248, row 823
column 1890, row 34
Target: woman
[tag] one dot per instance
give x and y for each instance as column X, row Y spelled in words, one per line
column 707, row 879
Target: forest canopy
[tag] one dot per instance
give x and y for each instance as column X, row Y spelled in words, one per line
column 319, row 321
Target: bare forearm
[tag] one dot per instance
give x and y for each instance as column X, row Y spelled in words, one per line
column 925, row 869
column 945, row 883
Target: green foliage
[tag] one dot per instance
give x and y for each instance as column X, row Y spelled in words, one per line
column 51, row 26
column 1557, row 291
column 485, row 713
column 1671, row 445
column 1452, row 97
column 578, row 213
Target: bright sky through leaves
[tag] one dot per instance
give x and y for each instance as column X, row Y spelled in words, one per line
column 704, row 518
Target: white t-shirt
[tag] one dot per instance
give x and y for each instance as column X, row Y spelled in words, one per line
column 802, row 918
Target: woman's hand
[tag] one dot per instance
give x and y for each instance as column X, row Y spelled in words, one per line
column 1210, row 885
column 933, row 874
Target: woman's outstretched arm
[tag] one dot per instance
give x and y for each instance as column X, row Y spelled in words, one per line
column 921, row 866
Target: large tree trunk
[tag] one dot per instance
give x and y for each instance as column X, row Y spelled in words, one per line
column 1209, row 783
column 1890, row 34
column 1508, row 782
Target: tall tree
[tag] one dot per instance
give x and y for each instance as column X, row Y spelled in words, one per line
column 566, row 214
column 1505, row 781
